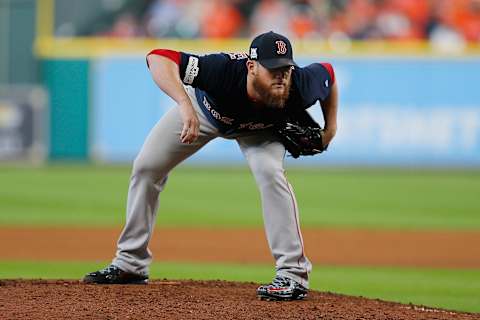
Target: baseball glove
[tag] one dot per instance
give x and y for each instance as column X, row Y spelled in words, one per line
column 301, row 135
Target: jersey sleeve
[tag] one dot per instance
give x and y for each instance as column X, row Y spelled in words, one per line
column 330, row 71
column 315, row 82
column 203, row 72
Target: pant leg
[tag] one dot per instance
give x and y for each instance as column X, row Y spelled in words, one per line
column 280, row 212
column 161, row 152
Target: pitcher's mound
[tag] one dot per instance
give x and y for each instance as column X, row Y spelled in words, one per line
column 167, row 299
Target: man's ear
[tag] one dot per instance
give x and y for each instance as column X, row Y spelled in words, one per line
column 251, row 66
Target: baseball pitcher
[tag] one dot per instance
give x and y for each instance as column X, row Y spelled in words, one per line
column 259, row 99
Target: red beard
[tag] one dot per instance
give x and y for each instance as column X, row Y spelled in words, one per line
column 270, row 97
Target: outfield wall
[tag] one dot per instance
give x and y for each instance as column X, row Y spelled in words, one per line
column 404, row 103
column 393, row 111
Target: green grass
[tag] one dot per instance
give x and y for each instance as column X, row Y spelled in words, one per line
column 449, row 289
column 228, row 197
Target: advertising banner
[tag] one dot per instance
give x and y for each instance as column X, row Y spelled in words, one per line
column 22, row 124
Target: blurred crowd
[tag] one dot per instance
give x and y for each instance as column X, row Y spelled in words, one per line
column 456, row 20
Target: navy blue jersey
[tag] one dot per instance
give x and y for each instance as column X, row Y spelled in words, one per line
column 220, row 82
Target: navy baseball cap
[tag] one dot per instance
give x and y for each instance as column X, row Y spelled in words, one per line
column 272, row 50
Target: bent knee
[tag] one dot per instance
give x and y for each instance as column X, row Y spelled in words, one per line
column 144, row 168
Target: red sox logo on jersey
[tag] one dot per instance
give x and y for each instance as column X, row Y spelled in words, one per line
column 281, row 47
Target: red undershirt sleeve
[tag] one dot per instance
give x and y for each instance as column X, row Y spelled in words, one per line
column 329, row 68
column 170, row 54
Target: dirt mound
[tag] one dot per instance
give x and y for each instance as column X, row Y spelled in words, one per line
column 59, row 299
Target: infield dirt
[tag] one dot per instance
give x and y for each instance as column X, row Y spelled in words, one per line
column 435, row 249
column 190, row 300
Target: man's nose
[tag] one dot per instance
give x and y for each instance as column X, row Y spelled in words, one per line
column 280, row 74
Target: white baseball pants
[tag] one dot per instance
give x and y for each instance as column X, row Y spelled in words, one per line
column 163, row 150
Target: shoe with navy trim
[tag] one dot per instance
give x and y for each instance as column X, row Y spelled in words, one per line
column 114, row 275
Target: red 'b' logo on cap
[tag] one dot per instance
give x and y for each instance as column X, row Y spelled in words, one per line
column 281, row 47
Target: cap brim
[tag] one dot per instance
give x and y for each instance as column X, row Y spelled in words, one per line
column 277, row 63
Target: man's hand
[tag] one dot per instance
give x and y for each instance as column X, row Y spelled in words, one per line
column 327, row 136
column 191, row 124
column 165, row 73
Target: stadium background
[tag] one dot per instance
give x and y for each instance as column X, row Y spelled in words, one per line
column 76, row 102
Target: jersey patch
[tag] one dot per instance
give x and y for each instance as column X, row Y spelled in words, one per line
column 192, row 70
